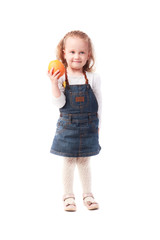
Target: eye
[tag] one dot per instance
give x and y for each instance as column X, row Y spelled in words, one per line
column 72, row 52
column 82, row 52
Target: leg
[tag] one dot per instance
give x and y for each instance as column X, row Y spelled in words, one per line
column 68, row 176
column 83, row 165
column 85, row 175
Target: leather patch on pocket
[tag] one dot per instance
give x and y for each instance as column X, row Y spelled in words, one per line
column 79, row 99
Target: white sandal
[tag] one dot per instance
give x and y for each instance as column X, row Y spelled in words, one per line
column 69, row 203
column 89, row 201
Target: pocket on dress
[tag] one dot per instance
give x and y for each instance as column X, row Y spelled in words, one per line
column 79, row 100
column 61, row 126
column 94, row 125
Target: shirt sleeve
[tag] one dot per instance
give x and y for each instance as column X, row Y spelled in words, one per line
column 60, row 101
column 96, row 86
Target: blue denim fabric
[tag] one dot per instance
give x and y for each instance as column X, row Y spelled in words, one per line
column 77, row 128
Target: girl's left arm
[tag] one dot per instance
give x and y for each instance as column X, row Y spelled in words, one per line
column 96, row 86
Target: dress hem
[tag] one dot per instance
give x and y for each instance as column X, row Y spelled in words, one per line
column 75, row 155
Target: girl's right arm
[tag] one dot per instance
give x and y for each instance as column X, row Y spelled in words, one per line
column 59, row 99
column 54, row 81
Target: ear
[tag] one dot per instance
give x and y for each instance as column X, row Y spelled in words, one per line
column 89, row 55
column 64, row 53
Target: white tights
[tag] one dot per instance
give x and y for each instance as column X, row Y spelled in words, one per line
column 83, row 164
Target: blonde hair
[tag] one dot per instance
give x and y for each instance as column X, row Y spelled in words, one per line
column 89, row 66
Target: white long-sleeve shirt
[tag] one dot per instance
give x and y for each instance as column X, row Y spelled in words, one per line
column 93, row 80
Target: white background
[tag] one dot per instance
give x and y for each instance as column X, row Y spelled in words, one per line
column 126, row 37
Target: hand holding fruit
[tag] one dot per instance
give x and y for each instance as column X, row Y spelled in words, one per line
column 55, row 70
column 54, row 76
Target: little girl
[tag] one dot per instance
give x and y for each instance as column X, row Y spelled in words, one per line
column 77, row 95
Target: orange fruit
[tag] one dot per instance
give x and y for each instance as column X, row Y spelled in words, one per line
column 57, row 65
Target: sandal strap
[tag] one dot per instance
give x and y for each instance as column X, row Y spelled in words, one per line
column 69, row 202
column 66, row 196
column 90, row 199
column 91, row 203
column 85, row 195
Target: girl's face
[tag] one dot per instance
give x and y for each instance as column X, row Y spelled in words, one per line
column 76, row 53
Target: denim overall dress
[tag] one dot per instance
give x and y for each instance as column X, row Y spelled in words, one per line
column 77, row 127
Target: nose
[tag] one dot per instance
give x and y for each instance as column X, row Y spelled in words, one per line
column 77, row 56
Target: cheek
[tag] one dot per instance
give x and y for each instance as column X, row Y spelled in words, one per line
column 67, row 57
column 85, row 59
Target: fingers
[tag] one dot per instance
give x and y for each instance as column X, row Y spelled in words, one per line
column 56, row 74
column 53, row 75
column 51, row 71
